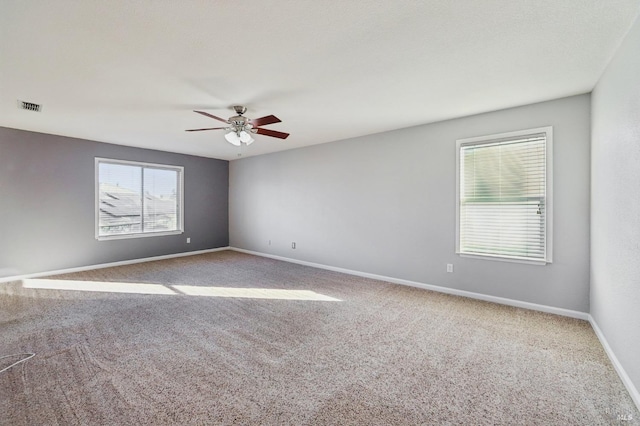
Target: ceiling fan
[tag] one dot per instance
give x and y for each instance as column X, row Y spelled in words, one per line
column 240, row 128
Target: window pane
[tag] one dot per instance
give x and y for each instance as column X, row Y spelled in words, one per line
column 137, row 199
column 160, row 200
column 509, row 229
column 502, row 204
column 119, row 199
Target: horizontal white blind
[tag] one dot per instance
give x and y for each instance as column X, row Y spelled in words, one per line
column 503, row 198
column 137, row 199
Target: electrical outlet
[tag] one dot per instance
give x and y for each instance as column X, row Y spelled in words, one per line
column 293, row 245
column 188, row 240
column 449, row 267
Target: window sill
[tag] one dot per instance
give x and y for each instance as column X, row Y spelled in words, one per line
column 145, row 235
column 505, row 259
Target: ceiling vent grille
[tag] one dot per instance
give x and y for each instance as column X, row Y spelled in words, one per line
column 29, row 106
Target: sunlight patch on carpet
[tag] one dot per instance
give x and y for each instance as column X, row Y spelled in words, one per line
column 98, row 286
column 254, row 293
column 173, row 290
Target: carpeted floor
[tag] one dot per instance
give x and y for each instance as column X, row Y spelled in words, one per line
column 327, row 349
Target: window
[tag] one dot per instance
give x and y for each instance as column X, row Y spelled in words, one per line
column 504, row 203
column 137, row 199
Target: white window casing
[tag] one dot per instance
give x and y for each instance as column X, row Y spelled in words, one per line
column 135, row 199
column 504, row 202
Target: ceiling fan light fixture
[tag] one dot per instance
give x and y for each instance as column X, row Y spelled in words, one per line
column 246, row 137
column 232, row 138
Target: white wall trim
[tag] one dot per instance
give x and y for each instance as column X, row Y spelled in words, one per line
column 439, row 289
column 108, row 265
column 633, row 391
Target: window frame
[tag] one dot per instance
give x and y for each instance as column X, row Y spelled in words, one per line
column 143, row 165
column 489, row 139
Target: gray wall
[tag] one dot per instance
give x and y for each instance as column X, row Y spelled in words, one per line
column 615, row 205
column 385, row 204
column 47, row 204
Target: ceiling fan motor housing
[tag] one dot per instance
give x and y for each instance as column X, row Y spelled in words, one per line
column 240, row 123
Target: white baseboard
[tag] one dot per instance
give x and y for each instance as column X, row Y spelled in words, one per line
column 452, row 291
column 108, row 265
column 633, row 391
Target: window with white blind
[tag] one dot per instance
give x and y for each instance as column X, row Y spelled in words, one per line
column 504, row 196
column 137, row 199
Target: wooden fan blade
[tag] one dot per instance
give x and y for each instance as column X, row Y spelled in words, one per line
column 210, row 128
column 272, row 133
column 263, row 121
column 212, row 116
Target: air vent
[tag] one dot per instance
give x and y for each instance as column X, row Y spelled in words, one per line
column 29, row 106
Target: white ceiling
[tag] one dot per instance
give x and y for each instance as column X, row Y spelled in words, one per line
column 131, row 72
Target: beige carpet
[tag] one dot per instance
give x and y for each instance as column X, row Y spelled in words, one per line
column 181, row 350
